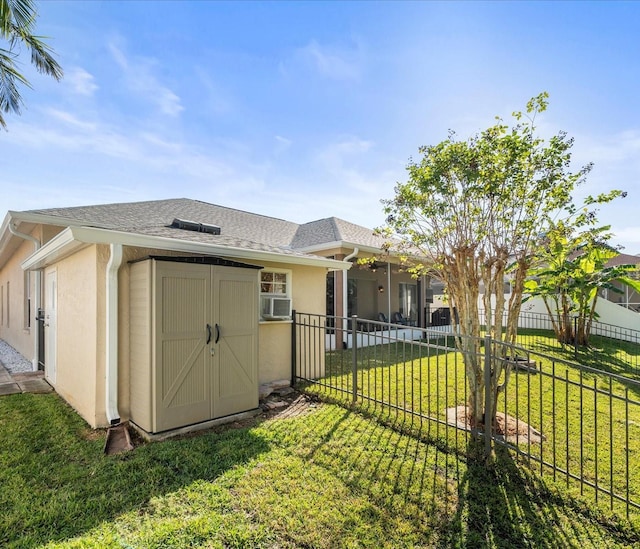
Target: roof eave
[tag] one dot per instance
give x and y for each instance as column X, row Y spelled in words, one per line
column 7, row 237
column 339, row 244
column 5, row 234
column 72, row 239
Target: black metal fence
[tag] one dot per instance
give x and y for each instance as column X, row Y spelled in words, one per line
column 577, row 425
column 613, row 348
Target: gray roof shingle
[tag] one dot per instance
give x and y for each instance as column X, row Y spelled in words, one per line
column 238, row 228
column 333, row 229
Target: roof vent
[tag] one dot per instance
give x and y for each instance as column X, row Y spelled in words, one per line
column 195, row 226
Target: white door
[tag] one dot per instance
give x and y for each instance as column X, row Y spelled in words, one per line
column 50, row 331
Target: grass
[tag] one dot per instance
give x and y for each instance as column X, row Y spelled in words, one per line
column 605, row 353
column 590, row 421
column 327, row 477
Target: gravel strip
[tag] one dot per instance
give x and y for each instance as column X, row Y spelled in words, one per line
column 13, row 360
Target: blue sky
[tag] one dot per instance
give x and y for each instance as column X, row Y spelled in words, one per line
column 307, row 110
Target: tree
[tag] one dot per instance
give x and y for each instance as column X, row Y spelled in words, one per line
column 476, row 209
column 573, row 266
column 17, row 24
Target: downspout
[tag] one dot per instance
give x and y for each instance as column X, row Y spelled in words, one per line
column 345, row 303
column 38, row 296
column 111, row 378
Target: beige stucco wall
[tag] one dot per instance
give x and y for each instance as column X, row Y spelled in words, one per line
column 12, row 307
column 308, row 296
column 78, row 329
column 82, row 318
column 13, row 325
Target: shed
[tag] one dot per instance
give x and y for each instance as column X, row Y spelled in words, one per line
column 193, row 340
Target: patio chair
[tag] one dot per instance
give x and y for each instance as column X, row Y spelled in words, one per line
column 399, row 318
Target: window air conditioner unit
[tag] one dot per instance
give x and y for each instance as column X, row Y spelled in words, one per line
column 276, row 308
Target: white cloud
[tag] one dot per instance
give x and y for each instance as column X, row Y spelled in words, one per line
column 81, row 81
column 334, row 64
column 334, row 154
column 216, row 99
column 341, row 158
column 169, row 102
column 71, row 119
column 331, row 62
column 140, row 78
column 353, row 164
column 97, row 148
column 282, row 144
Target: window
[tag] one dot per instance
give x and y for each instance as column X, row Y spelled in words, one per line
column 2, row 305
column 27, row 300
column 409, row 301
column 274, row 283
column 8, row 308
column 275, row 295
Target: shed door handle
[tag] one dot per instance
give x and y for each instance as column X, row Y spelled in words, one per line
column 217, row 333
column 208, row 334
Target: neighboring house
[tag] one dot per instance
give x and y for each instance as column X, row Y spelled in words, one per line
column 607, row 313
column 628, row 298
column 171, row 313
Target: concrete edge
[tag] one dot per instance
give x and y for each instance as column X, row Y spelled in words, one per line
column 165, row 435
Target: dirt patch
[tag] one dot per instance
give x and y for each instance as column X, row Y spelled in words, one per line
column 292, row 405
column 507, row 427
column 92, row 434
column 278, row 405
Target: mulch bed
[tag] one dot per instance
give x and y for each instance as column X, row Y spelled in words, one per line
column 507, row 427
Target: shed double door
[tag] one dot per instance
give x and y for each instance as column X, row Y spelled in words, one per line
column 206, row 343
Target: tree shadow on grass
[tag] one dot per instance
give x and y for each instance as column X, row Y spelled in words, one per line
column 57, row 483
column 507, row 506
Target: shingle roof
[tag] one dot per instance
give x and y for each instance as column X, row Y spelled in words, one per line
column 623, row 259
column 238, row 228
column 333, row 229
column 220, row 240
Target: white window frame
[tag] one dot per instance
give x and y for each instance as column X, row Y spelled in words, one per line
column 27, row 300
column 288, row 288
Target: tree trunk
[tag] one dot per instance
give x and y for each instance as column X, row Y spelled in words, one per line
column 462, row 282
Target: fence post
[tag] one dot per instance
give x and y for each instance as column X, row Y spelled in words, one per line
column 488, row 398
column 575, row 338
column 294, row 348
column 354, row 352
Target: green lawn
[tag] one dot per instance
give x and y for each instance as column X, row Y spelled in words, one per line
column 610, row 355
column 327, row 477
column 590, row 422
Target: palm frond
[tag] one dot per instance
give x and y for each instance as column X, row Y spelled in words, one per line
column 20, row 13
column 17, row 21
column 41, row 57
